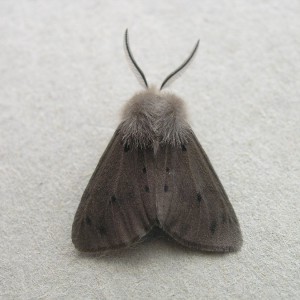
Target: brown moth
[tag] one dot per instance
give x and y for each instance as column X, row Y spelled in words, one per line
column 154, row 172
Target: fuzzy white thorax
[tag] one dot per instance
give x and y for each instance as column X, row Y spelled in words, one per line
column 151, row 117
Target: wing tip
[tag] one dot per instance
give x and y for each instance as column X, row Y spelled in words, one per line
column 84, row 246
column 229, row 248
column 84, row 243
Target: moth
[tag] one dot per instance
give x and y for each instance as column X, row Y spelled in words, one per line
column 154, row 173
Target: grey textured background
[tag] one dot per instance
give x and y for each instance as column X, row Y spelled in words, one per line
column 64, row 79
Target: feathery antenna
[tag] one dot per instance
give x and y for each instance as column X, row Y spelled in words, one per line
column 175, row 74
column 136, row 69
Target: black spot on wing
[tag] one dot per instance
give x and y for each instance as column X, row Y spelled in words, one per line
column 199, row 198
column 166, row 188
column 213, row 227
column 144, row 170
column 167, row 169
column 88, row 220
column 126, row 148
column 224, row 219
column 113, row 198
column 183, row 148
column 147, row 189
column 101, row 229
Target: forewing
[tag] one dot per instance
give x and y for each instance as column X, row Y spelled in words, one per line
column 193, row 207
column 117, row 207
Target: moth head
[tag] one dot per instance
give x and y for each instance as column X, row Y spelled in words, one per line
column 153, row 103
column 169, row 79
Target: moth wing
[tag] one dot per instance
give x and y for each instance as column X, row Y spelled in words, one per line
column 117, row 207
column 193, row 207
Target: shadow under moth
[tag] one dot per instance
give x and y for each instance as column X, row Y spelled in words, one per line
column 154, row 173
